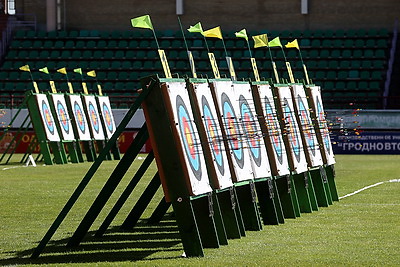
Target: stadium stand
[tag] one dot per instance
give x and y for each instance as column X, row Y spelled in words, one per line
column 349, row 65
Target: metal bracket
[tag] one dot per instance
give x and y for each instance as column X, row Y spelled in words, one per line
column 233, row 199
column 253, row 192
column 210, row 205
column 289, row 184
column 306, row 180
column 323, row 174
column 270, row 189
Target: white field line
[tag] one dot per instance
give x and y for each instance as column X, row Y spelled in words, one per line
column 370, row 186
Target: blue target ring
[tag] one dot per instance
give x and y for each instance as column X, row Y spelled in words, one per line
column 292, row 132
column 62, row 116
column 306, row 122
column 108, row 118
column 251, row 130
column 273, row 126
column 94, row 117
column 322, row 126
column 232, row 130
column 190, row 143
column 212, row 135
column 79, row 117
column 47, row 117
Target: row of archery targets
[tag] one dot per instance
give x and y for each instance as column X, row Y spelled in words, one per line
column 231, row 156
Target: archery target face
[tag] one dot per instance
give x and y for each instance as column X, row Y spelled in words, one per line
column 107, row 115
column 213, row 130
column 306, row 126
column 252, row 131
column 274, row 130
column 292, row 130
column 47, row 118
column 322, row 128
column 188, row 137
column 80, row 122
column 229, row 108
column 63, row 118
column 94, row 117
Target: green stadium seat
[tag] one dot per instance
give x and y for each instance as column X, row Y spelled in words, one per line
column 382, row 43
column 357, row 53
column 363, row 85
column 366, row 64
column 344, row 64
column 333, row 64
column 380, row 53
column 331, row 75
column 374, row 85
column 340, row 85
column 376, row 75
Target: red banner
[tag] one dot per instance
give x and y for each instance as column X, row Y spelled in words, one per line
column 20, row 142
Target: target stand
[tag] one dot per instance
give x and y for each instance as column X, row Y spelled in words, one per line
column 180, row 161
column 45, row 128
column 64, row 124
column 322, row 133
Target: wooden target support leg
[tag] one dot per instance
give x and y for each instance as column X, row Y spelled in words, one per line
column 294, row 197
column 204, row 215
column 89, row 150
column 72, row 151
column 100, row 145
column 233, row 221
column 58, row 151
column 326, row 184
column 302, row 184
column 277, row 201
column 320, row 188
column 311, row 192
column 285, row 190
column 246, row 195
column 265, row 194
column 330, row 174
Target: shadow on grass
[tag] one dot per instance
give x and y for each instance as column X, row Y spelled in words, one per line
column 115, row 246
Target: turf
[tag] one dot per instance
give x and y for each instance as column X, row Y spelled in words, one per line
column 360, row 230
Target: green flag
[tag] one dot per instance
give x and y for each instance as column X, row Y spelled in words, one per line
column 275, row 42
column 242, row 34
column 78, row 70
column 196, row 28
column 260, row 40
column 45, row 70
column 142, row 22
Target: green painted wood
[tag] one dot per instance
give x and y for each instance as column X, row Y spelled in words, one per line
column 218, row 220
column 319, row 188
column 227, row 202
column 187, row 226
column 330, row 173
column 159, row 211
column 109, row 187
column 60, row 157
column 248, row 207
column 86, row 179
column 90, row 151
column 125, row 194
column 294, row 197
column 203, row 211
column 285, row 195
column 265, row 193
column 72, row 152
column 311, row 193
column 302, row 192
column 142, row 203
column 277, row 201
column 326, row 184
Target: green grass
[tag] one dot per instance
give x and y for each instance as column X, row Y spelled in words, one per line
column 363, row 229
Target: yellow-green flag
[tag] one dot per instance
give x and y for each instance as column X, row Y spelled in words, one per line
column 213, row 33
column 62, row 70
column 242, row 34
column 260, row 40
column 196, row 28
column 91, row 73
column 293, row 44
column 142, row 22
column 45, row 70
column 78, row 70
column 25, row 68
column 275, row 42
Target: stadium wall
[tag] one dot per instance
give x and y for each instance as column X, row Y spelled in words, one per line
column 254, row 15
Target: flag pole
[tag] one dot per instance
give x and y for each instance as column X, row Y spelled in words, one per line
column 273, row 65
column 189, row 53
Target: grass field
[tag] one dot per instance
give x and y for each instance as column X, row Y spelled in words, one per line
column 359, row 230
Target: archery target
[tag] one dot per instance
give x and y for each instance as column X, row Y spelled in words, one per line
column 306, row 127
column 292, row 131
column 94, row 117
column 228, row 106
column 252, row 131
column 47, row 118
column 189, row 137
column 63, row 118
column 80, row 122
column 107, row 115
column 274, row 130
column 322, row 128
column 214, row 135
